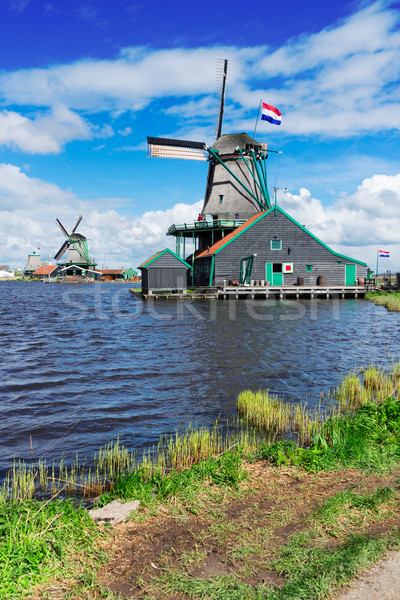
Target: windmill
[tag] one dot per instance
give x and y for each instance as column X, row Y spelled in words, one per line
column 237, row 177
column 76, row 244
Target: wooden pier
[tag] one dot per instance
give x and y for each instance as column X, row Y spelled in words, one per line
column 262, row 293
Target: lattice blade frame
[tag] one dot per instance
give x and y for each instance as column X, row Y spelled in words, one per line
column 181, row 149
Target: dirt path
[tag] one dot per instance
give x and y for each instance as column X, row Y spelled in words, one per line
column 242, row 535
column 382, row 582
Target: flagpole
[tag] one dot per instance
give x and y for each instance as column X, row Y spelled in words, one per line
column 255, row 126
column 377, row 261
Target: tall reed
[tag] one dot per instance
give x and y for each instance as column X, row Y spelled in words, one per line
column 275, row 416
column 260, row 415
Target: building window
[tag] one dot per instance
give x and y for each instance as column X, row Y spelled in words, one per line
column 339, row 262
column 308, row 267
column 221, row 198
column 276, row 244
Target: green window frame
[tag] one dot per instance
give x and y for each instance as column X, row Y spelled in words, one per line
column 308, row 267
column 276, row 244
column 339, row 262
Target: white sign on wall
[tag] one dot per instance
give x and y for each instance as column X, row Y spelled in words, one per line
column 287, row 267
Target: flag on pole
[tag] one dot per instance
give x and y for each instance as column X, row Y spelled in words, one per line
column 384, row 253
column 271, row 114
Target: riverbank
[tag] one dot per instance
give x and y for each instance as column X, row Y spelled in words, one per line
column 274, row 521
column 390, row 300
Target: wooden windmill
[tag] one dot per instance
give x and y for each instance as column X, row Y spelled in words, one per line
column 78, row 258
column 236, row 186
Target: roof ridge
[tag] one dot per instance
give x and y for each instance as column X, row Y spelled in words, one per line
column 228, row 238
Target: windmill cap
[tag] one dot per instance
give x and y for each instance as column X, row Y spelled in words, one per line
column 227, row 143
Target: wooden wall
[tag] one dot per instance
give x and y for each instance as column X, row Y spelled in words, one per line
column 165, row 272
column 298, row 247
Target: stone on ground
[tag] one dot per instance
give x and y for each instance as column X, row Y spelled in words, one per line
column 114, row 512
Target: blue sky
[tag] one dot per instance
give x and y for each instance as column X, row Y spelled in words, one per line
column 83, row 83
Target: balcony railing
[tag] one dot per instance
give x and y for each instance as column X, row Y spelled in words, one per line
column 206, row 224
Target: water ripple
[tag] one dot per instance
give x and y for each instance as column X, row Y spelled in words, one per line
column 82, row 364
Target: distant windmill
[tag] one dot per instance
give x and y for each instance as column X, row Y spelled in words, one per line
column 237, row 177
column 76, row 244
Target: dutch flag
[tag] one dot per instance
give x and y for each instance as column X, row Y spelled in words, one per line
column 271, row 114
column 384, row 253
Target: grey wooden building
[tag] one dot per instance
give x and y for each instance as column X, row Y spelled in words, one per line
column 164, row 271
column 272, row 247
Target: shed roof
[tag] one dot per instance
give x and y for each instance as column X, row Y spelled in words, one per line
column 158, row 255
column 45, row 270
column 110, row 271
column 228, row 239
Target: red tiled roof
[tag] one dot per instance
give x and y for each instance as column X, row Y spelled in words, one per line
column 210, row 251
column 110, row 271
column 149, row 259
column 45, row 270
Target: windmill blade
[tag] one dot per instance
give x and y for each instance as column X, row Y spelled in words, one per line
column 61, row 226
column 222, row 73
column 77, row 223
column 167, row 148
column 61, row 251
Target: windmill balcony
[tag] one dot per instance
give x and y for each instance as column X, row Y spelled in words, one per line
column 207, row 224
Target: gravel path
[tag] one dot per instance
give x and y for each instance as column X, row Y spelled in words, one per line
column 381, row 582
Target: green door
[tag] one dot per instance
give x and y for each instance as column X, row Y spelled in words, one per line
column 273, row 278
column 350, row 274
column 268, row 273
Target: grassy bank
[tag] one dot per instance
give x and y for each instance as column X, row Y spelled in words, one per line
column 241, row 495
column 261, row 418
column 391, row 300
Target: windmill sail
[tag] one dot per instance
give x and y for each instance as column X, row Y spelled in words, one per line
column 62, row 250
column 77, row 223
column 237, row 176
column 222, row 73
column 167, row 148
column 61, row 226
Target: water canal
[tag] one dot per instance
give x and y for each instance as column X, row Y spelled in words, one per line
column 82, row 364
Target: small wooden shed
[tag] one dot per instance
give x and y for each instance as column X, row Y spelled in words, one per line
column 164, row 271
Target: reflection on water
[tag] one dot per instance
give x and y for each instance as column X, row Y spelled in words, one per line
column 84, row 363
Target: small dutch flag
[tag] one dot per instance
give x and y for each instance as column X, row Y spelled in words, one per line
column 271, row 114
column 384, row 253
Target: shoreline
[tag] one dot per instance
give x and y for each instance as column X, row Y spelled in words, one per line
column 255, row 488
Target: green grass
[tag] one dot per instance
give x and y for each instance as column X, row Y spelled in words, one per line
column 391, row 300
column 312, row 572
column 151, row 487
column 39, row 540
column 368, row 439
column 275, row 417
column 175, row 451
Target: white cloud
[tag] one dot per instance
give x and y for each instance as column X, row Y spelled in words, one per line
column 355, row 225
column 47, row 132
column 18, row 191
column 340, row 81
column 29, row 207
